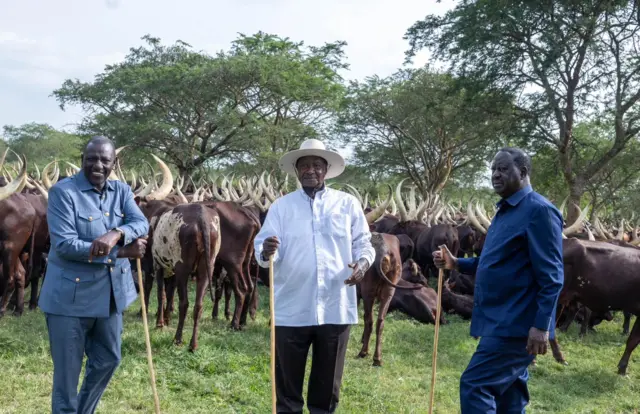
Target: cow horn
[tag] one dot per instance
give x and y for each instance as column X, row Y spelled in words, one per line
column 482, row 217
column 375, row 214
column 3, row 157
column 589, row 233
column 473, row 220
column 17, row 184
column 572, row 229
column 621, row 231
column 563, row 205
column 167, row 182
column 120, row 149
column 46, row 181
column 75, row 167
column 356, row 194
column 401, row 208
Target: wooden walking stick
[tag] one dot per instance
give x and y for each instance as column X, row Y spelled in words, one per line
column 435, row 334
column 273, row 337
column 152, row 374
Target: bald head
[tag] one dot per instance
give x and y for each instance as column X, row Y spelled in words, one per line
column 98, row 140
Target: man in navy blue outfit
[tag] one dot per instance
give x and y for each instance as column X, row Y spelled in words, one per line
column 519, row 276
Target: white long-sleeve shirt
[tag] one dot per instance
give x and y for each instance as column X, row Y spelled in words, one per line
column 319, row 238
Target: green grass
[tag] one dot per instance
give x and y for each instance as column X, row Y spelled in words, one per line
column 230, row 371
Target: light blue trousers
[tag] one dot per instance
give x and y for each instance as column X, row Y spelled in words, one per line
column 70, row 338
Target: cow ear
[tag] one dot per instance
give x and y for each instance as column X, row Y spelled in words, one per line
column 137, row 200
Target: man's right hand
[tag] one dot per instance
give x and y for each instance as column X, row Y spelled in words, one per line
column 134, row 250
column 446, row 261
column 269, row 246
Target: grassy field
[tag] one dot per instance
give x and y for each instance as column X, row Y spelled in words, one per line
column 230, row 371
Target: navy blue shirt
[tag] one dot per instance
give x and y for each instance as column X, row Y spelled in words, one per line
column 519, row 274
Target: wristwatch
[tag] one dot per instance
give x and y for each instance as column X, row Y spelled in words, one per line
column 119, row 231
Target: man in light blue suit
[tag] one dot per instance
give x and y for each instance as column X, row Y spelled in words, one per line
column 95, row 227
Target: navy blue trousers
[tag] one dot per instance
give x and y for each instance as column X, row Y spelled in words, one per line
column 69, row 339
column 495, row 381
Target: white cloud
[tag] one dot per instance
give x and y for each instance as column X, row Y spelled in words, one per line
column 43, row 43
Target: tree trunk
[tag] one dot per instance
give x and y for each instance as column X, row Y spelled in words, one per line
column 576, row 190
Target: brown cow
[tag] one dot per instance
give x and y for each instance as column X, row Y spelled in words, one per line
column 590, row 279
column 187, row 239
column 379, row 283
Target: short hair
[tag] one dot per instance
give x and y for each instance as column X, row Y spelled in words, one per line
column 520, row 158
column 100, row 139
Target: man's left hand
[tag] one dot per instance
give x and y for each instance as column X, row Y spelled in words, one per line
column 537, row 342
column 102, row 245
column 359, row 269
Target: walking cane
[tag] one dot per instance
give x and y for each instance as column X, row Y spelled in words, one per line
column 435, row 334
column 273, row 337
column 152, row 375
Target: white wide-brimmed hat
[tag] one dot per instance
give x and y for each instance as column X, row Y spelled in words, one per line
column 316, row 148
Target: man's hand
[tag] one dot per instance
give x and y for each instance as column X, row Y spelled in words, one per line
column 448, row 261
column 102, row 245
column 359, row 269
column 269, row 246
column 537, row 343
column 134, row 250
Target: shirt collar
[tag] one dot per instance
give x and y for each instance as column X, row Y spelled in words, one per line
column 516, row 197
column 84, row 185
column 319, row 194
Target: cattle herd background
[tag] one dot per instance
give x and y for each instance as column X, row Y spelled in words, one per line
column 198, row 139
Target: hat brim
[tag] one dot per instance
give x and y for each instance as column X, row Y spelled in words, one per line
column 336, row 163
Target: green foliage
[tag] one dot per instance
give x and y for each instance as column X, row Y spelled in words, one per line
column 568, row 61
column 425, row 125
column 265, row 93
column 41, row 144
column 229, row 373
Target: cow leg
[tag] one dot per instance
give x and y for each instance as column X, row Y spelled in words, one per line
column 147, row 282
column 632, row 343
column 368, row 302
column 382, row 312
column 253, row 307
column 170, row 293
column 218, row 295
column 19, row 280
column 159, row 276
column 234, row 273
column 228, row 291
column 584, row 327
column 35, row 281
column 251, row 286
column 625, row 324
column 182, row 283
column 557, row 352
column 202, row 281
column 571, row 315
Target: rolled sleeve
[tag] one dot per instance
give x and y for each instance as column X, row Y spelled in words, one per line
column 361, row 235
column 544, row 235
column 270, row 228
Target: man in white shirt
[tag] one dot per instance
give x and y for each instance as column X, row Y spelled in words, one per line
column 320, row 241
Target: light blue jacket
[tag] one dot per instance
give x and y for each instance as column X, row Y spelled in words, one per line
column 77, row 214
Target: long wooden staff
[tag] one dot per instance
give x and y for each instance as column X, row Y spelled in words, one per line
column 152, row 374
column 435, row 335
column 273, row 337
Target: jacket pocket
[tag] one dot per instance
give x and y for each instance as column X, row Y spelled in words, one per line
column 90, row 224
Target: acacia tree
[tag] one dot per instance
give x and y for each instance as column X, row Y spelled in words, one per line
column 193, row 107
column 423, row 124
column 568, row 61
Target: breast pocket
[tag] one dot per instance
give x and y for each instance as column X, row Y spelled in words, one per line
column 118, row 217
column 90, row 224
column 338, row 225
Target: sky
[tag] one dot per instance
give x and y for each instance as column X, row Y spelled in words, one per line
column 44, row 42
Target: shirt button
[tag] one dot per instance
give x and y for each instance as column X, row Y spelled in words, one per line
column 106, row 213
column 89, row 260
column 90, row 218
column 77, row 279
column 108, row 260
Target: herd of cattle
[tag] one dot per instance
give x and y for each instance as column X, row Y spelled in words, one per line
column 204, row 233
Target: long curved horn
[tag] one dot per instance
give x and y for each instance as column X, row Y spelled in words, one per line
column 375, row 214
column 572, row 229
column 120, row 149
column 589, row 233
column 473, row 220
column 167, row 182
column 17, row 184
column 401, row 208
column 46, row 181
column 482, row 216
column 3, row 157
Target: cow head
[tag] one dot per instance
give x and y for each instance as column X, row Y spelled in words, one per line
column 411, row 273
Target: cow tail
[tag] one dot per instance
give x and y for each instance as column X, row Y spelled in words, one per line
column 378, row 264
column 32, row 248
column 206, row 239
